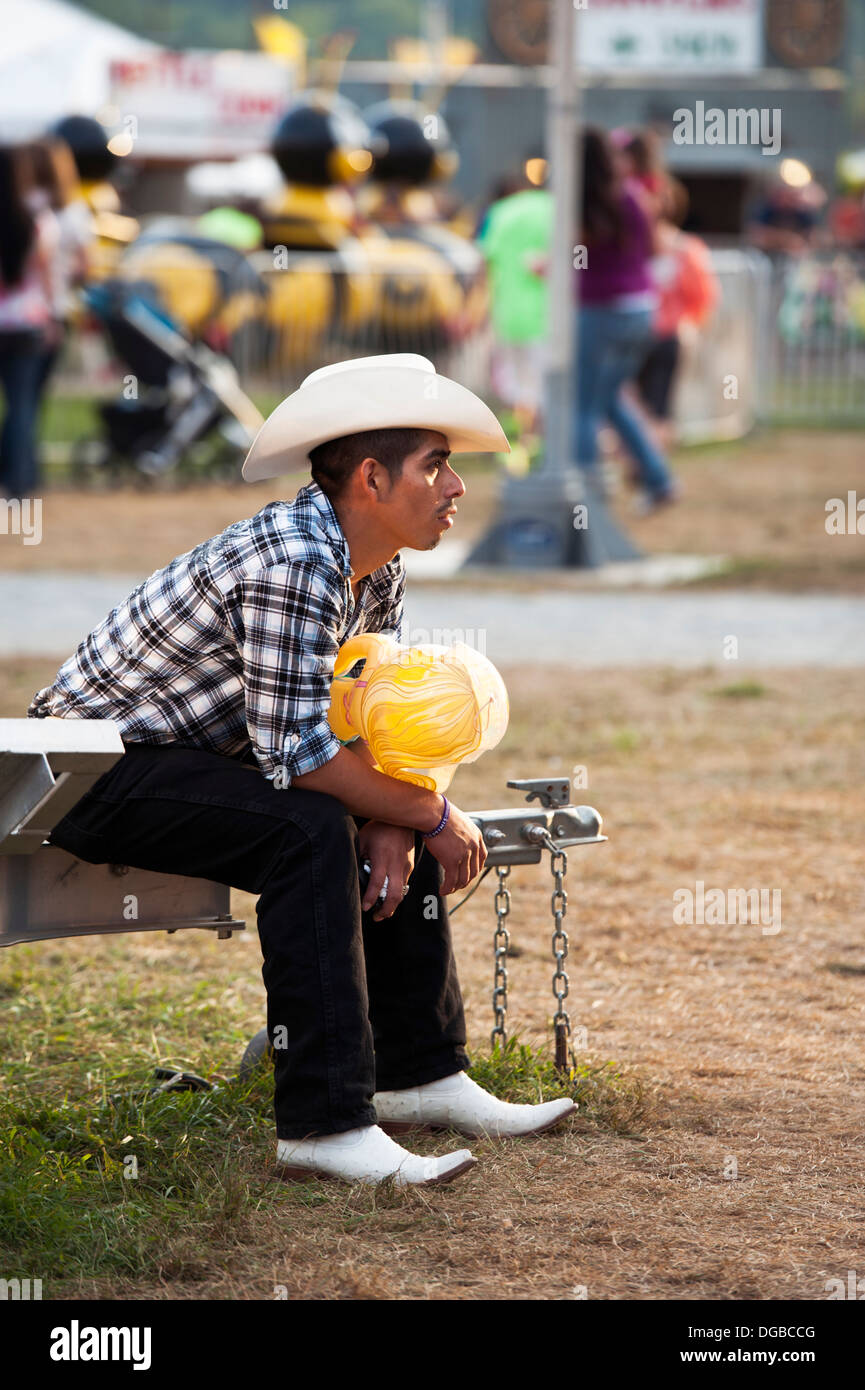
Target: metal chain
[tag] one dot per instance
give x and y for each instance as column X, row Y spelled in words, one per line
column 501, row 941
column 559, row 906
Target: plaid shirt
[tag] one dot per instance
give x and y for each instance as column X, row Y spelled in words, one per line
column 231, row 647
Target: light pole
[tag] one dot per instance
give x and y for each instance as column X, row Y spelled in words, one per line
column 555, row 516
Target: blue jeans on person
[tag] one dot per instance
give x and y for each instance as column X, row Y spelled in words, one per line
column 21, row 362
column 611, row 347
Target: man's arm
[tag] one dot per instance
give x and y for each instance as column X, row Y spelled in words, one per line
column 459, row 847
column 291, row 618
column 364, row 792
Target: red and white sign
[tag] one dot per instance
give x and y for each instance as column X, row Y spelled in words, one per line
column 198, row 104
column 670, row 36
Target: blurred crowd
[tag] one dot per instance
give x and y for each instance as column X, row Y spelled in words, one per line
column 642, row 288
column 407, row 274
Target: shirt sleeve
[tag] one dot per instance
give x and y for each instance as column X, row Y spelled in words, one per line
column 487, row 238
column 291, row 620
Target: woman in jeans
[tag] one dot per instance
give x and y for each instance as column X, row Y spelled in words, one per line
column 56, row 188
column 28, row 242
column 616, row 308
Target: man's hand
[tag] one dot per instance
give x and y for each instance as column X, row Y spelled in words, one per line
column 390, row 851
column 460, row 850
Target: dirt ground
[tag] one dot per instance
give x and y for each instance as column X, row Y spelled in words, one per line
column 759, row 502
column 736, row 1173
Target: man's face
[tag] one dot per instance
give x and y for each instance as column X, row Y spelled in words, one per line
column 418, row 507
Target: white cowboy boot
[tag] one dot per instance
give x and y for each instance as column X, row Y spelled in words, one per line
column 457, row 1102
column 366, row 1155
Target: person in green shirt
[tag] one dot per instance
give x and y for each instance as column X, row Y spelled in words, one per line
column 515, row 240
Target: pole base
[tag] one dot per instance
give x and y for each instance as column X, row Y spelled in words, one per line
column 552, row 520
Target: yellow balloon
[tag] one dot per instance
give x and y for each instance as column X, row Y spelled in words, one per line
column 421, row 710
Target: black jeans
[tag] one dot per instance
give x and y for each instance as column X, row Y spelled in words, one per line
column 353, row 1005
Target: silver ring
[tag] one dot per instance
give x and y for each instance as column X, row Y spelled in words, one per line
column 405, row 890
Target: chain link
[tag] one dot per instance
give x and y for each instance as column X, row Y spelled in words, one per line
column 561, row 986
column 501, row 940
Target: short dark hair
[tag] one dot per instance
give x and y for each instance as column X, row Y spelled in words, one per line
column 334, row 462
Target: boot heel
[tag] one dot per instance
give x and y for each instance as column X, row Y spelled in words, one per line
column 288, row 1174
column 400, row 1127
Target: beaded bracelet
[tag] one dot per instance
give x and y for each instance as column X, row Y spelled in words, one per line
column 430, row 834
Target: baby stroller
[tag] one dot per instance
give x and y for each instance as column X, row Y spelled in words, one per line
column 176, row 393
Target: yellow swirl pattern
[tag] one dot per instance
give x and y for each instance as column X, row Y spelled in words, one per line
column 421, row 710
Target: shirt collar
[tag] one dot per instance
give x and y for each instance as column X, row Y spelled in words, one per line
column 315, row 497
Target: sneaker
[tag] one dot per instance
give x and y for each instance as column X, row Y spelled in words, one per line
column 648, row 502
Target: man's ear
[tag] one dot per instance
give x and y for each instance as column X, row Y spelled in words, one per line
column 374, row 479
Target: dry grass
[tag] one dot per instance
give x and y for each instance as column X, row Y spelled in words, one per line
column 760, row 502
column 735, row 1045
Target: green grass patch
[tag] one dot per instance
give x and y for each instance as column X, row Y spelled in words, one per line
column 624, row 740
column 124, row 1185
column 67, row 418
column 605, row 1093
column 100, row 1187
column 740, row 690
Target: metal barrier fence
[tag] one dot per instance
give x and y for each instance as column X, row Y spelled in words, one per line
column 812, row 340
column 786, row 342
column 320, row 308
column 786, row 345
column 324, row 309
column 718, row 394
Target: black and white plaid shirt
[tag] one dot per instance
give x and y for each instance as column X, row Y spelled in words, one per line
column 231, row 647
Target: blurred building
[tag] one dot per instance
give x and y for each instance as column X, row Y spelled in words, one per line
column 644, row 60
column 164, row 109
column 482, row 64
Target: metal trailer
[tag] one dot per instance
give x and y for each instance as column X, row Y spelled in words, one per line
column 47, row 765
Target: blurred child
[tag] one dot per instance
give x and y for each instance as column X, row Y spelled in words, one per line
column 687, row 291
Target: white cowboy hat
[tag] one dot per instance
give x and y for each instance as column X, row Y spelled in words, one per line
column 393, row 391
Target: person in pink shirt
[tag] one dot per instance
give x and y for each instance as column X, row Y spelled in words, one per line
column 616, row 301
column 688, row 292
column 28, row 244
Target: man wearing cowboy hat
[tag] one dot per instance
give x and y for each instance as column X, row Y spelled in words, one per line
column 217, row 670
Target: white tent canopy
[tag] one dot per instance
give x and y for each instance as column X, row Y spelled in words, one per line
column 54, row 61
